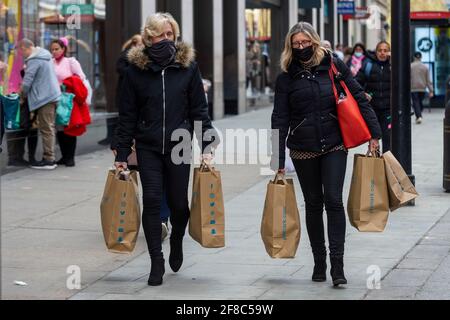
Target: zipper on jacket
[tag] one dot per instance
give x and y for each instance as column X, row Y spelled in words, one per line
column 164, row 109
column 381, row 82
column 293, row 131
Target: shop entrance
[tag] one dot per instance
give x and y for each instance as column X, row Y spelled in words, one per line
column 432, row 39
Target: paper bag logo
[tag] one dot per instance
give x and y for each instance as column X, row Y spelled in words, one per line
column 284, row 224
column 122, row 212
column 212, row 198
column 372, row 196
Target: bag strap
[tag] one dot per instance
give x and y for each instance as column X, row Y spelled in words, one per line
column 280, row 177
column 205, row 167
column 334, row 74
column 376, row 154
column 368, row 69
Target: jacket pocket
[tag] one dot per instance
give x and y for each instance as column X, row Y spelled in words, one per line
column 298, row 126
column 149, row 133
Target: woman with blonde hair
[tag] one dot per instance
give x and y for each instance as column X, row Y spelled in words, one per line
column 162, row 92
column 305, row 114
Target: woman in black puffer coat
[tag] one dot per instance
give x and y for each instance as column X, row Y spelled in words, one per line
column 162, row 96
column 305, row 113
column 375, row 78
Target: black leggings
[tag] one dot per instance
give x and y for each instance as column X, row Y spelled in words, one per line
column 322, row 181
column 67, row 144
column 16, row 144
column 384, row 119
column 154, row 170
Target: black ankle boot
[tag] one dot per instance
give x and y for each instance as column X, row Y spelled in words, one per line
column 176, row 252
column 157, row 272
column 320, row 270
column 337, row 271
column 70, row 162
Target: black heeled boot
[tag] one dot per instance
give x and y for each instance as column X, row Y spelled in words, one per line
column 176, row 252
column 337, row 271
column 157, row 272
column 320, row 269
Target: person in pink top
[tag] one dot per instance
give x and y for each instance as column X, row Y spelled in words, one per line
column 65, row 67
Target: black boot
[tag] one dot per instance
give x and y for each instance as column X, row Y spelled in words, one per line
column 157, row 272
column 337, row 271
column 61, row 137
column 176, row 252
column 71, row 148
column 320, row 269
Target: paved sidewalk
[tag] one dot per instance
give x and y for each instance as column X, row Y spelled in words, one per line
column 50, row 220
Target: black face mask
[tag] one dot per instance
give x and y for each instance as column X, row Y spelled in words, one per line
column 304, row 54
column 162, row 53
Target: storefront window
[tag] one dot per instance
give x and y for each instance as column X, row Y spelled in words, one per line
column 43, row 21
column 434, row 44
column 258, row 36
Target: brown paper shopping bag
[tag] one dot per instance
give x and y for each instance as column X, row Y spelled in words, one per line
column 401, row 190
column 280, row 225
column 368, row 202
column 121, row 212
column 207, row 221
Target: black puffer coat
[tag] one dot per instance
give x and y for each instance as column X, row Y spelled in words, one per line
column 156, row 101
column 305, row 108
column 375, row 78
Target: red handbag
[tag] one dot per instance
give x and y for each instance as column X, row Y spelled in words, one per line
column 353, row 126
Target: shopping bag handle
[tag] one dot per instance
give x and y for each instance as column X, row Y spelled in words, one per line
column 376, row 154
column 280, row 177
column 121, row 172
column 209, row 168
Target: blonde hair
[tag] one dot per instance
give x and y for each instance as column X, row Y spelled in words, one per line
column 132, row 42
column 154, row 27
column 308, row 30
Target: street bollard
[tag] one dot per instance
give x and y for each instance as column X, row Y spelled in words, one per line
column 447, row 148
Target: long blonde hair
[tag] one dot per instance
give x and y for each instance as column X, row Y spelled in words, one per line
column 132, row 42
column 154, row 27
column 308, row 30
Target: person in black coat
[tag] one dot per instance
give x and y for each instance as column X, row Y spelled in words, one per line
column 122, row 65
column 375, row 78
column 121, row 68
column 162, row 96
column 305, row 114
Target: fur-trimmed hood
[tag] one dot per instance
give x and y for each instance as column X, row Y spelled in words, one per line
column 185, row 56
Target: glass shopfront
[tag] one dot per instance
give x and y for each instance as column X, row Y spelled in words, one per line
column 42, row 21
column 258, row 57
column 433, row 41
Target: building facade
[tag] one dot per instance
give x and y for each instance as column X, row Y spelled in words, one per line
column 238, row 42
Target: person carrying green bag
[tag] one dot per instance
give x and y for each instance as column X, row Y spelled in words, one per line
column 11, row 105
column 64, row 108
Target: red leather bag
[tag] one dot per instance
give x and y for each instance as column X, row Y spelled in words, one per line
column 353, row 126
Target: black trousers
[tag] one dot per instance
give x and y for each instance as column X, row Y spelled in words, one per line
column 322, row 181
column 384, row 119
column 156, row 169
column 67, row 144
column 16, row 144
column 417, row 98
